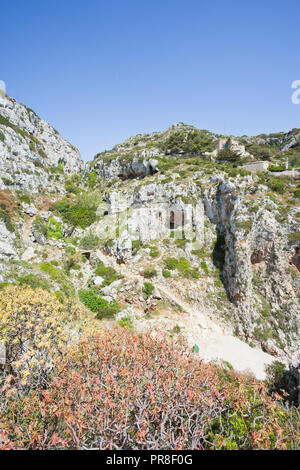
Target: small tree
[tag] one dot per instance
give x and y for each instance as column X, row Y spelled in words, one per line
column 229, row 156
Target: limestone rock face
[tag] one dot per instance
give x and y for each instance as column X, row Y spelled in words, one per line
column 257, row 262
column 257, row 269
column 7, row 249
column 29, row 147
column 118, row 168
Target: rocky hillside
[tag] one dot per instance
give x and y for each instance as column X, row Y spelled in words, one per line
column 33, row 154
column 182, row 231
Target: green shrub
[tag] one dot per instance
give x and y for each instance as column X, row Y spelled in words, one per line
column 294, row 236
column 166, row 273
column 6, row 218
column 148, row 289
column 204, row 266
column 154, row 252
column 75, row 214
column 92, row 179
column 7, row 181
column 126, row 322
column 54, row 229
column 90, row 241
column 297, row 193
column 34, row 281
column 278, row 378
column 55, row 273
column 107, row 272
column 193, row 142
column 171, row 263
column 276, row 168
column 277, row 185
column 24, row 197
column 40, row 226
column 102, row 307
column 136, row 246
column 150, row 273
column 227, row 155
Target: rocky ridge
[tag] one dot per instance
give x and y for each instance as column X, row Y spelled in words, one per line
column 222, row 241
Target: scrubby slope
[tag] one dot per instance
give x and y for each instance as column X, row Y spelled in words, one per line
column 162, row 225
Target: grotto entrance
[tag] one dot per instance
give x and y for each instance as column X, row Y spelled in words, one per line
column 295, row 260
column 176, row 219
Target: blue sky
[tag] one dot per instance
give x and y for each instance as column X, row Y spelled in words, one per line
column 101, row 71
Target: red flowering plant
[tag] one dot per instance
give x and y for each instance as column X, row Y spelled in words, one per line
column 121, row 390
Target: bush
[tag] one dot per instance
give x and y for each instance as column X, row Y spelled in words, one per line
column 54, row 229
column 193, row 142
column 102, row 307
column 227, row 155
column 148, row 289
column 171, row 263
column 75, row 214
column 294, row 237
column 183, row 267
column 150, row 273
column 277, row 185
column 280, row 379
column 108, row 273
column 34, row 328
column 136, row 246
column 119, row 390
column 34, row 281
column 6, row 218
column 166, row 274
column 126, row 322
column 90, row 241
column 154, row 252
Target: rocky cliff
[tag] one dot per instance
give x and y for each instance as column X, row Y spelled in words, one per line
column 168, row 231
column 32, row 152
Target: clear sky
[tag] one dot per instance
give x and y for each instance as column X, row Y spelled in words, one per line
column 102, row 70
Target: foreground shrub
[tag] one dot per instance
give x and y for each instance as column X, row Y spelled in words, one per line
column 34, row 327
column 118, row 390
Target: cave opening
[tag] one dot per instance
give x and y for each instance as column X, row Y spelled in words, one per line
column 176, row 219
column 295, row 260
column 172, row 220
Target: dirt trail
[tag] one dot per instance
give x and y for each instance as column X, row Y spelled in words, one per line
column 213, row 342
column 27, row 231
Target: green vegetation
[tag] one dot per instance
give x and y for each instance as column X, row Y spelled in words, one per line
column 183, row 266
column 54, row 229
column 294, row 237
column 6, row 218
column 227, row 155
column 74, row 213
column 126, row 322
column 150, row 273
column 34, row 281
column 166, row 273
column 90, row 241
column 192, row 142
column 102, row 307
column 148, row 289
column 108, row 273
column 92, row 179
